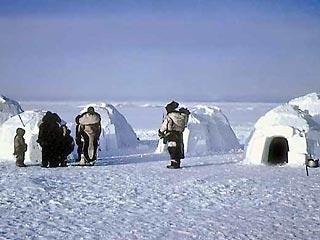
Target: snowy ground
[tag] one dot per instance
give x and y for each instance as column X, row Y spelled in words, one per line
column 136, row 197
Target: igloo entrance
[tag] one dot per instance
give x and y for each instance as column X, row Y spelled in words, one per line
column 278, row 151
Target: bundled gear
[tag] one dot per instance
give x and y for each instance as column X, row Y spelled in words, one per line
column 20, row 147
column 90, row 130
column 171, row 131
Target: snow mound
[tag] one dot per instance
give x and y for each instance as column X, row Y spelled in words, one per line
column 32, row 120
column 8, row 108
column 287, row 115
column 116, row 132
column 291, row 131
column 310, row 103
column 208, row 131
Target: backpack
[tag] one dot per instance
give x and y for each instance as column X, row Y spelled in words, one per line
column 179, row 119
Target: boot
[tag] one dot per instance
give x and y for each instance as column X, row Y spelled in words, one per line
column 19, row 164
column 178, row 163
column 20, row 161
column 173, row 165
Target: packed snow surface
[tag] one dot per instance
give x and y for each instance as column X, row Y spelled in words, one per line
column 8, row 108
column 136, row 197
column 208, row 131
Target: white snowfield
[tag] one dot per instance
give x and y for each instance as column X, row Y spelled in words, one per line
column 8, row 108
column 117, row 133
column 136, row 197
column 297, row 123
column 208, row 131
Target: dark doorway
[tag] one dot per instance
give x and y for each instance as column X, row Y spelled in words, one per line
column 278, row 151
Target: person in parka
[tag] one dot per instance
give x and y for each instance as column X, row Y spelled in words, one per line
column 20, row 147
column 90, row 129
column 171, row 131
column 79, row 139
column 49, row 138
column 67, row 146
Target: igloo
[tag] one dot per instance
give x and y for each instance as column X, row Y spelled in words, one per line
column 208, row 131
column 31, row 120
column 287, row 134
column 8, row 108
column 117, row 134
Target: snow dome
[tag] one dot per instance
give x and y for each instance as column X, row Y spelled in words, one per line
column 116, row 132
column 32, row 120
column 287, row 134
column 8, row 108
column 208, row 131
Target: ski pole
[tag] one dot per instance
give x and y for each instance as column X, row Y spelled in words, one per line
column 21, row 121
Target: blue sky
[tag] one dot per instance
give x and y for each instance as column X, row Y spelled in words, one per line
column 159, row 50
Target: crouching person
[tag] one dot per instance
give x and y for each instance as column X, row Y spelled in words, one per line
column 172, row 132
column 20, row 147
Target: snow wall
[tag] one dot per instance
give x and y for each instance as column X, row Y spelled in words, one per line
column 32, row 120
column 297, row 122
column 8, row 108
column 208, row 131
column 117, row 134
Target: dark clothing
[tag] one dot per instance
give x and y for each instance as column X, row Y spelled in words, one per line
column 176, row 152
column 67, row 147
column 50, row 139
column 79, row 142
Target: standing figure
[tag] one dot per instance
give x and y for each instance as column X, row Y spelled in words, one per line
column 90, row 125
column 49, row 138
column 171, row 131
column 79, row 140
column 66, row 146
column 20, row 147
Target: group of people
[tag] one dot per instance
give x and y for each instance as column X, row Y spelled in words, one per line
column 57, row 143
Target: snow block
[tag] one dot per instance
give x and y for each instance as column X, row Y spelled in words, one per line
column 295, row 124
column 32, row 120
column 208, row 131
column 8, row 108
